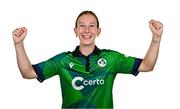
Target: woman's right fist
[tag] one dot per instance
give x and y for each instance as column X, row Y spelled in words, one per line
column 19, row 34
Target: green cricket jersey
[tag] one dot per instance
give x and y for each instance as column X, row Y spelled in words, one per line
column 87, row 81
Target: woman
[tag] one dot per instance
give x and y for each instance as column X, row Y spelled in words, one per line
column 87, row 73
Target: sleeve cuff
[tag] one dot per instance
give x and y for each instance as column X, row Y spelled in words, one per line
column 137, row 63
column 39, row 73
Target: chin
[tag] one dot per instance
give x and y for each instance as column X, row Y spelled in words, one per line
column 87, row 44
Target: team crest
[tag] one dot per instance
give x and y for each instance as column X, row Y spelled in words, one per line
column 102, row 62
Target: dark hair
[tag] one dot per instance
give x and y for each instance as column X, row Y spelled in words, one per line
column 87, row 12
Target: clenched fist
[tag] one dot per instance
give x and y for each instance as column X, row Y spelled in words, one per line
column 19, row 34
column 156, row 29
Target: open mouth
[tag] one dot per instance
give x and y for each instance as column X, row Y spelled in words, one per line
column 86, row 36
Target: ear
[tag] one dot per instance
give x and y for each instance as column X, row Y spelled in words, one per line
column 75, row 31
column 99, row 31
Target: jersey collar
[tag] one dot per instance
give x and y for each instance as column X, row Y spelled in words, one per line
column 77, row 53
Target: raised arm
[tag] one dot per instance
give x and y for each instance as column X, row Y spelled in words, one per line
column 24, row 64
column 151, row 56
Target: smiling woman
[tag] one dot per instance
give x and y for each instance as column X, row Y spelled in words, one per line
column 87, row 74
column 87, row 29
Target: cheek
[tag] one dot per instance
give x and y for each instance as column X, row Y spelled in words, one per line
column 80, row 31
column 94, row 31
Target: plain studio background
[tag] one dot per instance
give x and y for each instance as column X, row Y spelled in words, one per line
column 125, row 29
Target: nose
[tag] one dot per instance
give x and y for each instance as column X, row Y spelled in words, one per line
column 86, row 29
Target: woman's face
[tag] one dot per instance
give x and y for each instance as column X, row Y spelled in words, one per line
column 87, row 29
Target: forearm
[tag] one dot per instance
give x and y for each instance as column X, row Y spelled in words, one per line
column 151, row 56
column 24, row 64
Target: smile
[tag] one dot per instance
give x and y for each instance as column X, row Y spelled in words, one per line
column 86, row 36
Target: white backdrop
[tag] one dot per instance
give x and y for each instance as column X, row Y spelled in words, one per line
column 125, row 29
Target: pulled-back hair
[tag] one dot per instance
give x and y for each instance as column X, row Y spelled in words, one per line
column 87, row 12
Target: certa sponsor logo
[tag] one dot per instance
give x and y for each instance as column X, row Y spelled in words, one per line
column 85, row 82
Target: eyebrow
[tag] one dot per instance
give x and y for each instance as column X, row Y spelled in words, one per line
column 81, row 22
column 90, row 23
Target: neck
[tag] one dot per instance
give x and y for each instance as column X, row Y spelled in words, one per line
column 86, row 50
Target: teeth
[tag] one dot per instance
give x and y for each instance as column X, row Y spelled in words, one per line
column 86, row 36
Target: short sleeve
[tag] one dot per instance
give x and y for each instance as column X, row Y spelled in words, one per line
column 126, row 64
column 48, row 68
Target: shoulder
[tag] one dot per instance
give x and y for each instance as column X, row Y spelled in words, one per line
column 61, row 56
column 109, row 52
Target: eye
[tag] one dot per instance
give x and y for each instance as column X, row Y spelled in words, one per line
column 92, row 25
column 82, row 25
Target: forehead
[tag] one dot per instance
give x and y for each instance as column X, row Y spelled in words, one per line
column 87, row 18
